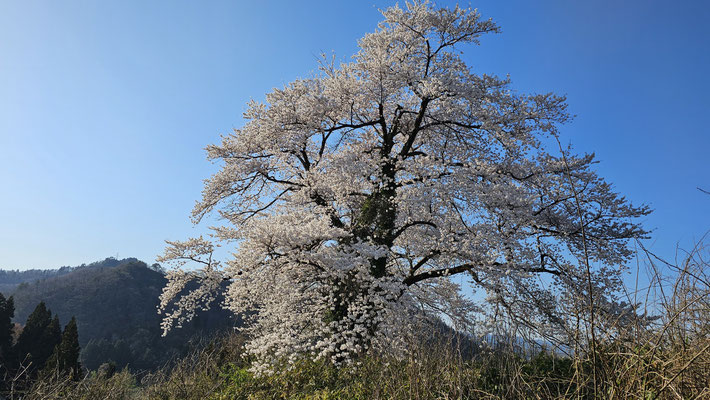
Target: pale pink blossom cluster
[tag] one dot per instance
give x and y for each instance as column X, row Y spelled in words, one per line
column 352, row 199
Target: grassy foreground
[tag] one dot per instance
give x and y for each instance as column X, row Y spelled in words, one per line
column 218, row 372
column 669, row 359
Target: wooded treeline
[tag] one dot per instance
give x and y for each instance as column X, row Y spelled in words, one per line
column 114, row 303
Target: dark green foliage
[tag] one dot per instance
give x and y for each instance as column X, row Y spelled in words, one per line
column 545, row 365
column 7, row 312
column 11, row 279
column 98, row 352
column 37, row 322
column 65, row 358
column 39, row 336
column 115, row 303
column 70, row 347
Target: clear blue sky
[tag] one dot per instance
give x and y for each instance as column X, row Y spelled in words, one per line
column 105, row 107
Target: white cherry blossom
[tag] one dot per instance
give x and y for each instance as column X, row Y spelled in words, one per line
column 351, row 199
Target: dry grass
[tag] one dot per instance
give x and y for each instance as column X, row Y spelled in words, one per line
column 668, row 359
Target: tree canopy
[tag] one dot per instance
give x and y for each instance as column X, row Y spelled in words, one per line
column 65, row 358
column 351, row 198
column 7, row 311
column 38, row 338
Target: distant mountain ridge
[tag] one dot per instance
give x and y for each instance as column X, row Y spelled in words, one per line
column 10, row 279
column 115, row 304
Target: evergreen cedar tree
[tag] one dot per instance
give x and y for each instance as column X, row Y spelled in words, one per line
column 7, row 311
column 38, row 338
column 351, row 199
column 65, row 358
column 41, row 346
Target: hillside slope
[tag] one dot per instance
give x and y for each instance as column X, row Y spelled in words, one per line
column 115, row 302
column 11, row 279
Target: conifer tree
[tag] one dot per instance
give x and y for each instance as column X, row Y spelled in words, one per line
column 7, row 311
column 65, row 358
column 51, row 338
column 38, row 338
column 31, row 333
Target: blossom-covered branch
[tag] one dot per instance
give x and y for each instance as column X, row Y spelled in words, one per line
column 352, row 197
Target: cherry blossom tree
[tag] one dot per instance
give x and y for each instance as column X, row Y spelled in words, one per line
column 355, row 199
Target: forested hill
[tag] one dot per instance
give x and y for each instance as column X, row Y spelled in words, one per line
column 115, row 302
column 11, row 279
column 78, row 283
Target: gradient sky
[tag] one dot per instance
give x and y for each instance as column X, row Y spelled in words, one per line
column 105, row 107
